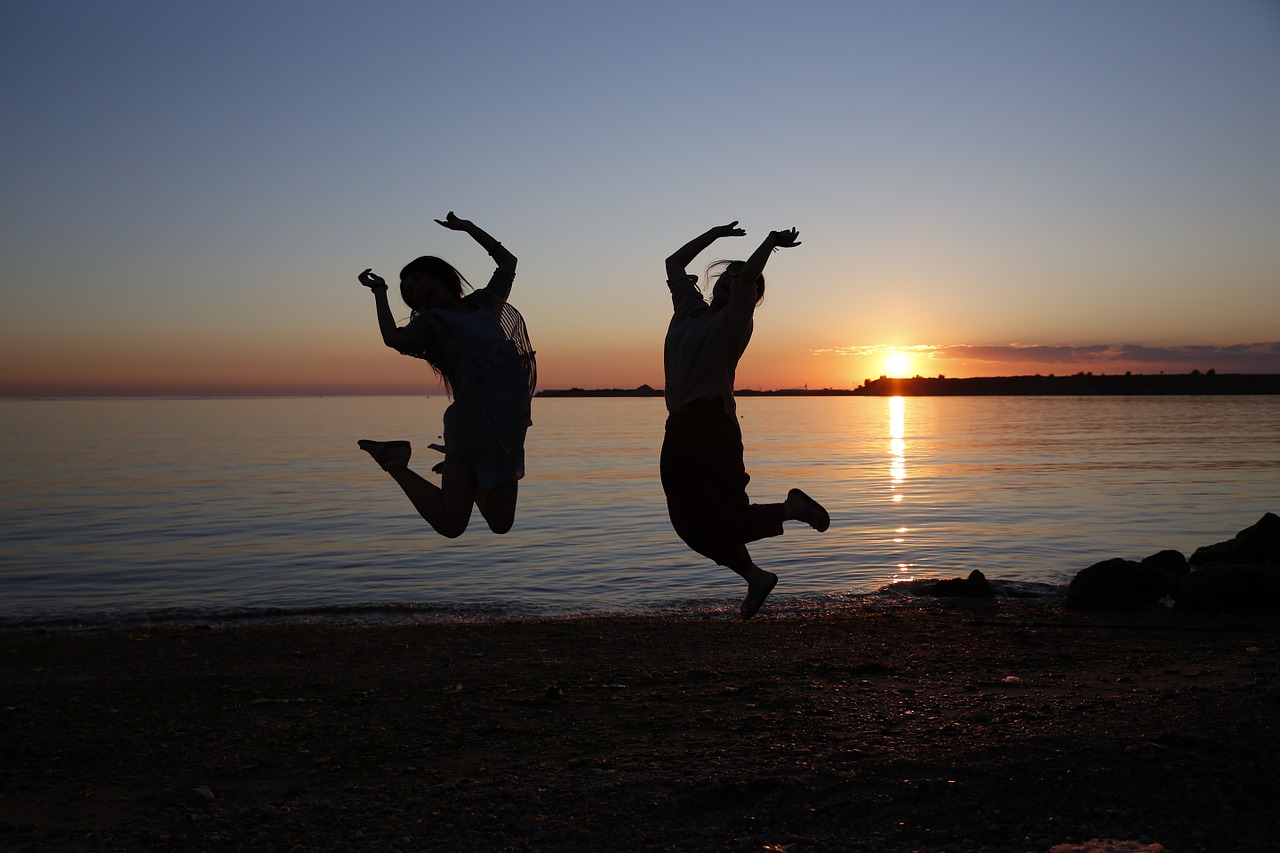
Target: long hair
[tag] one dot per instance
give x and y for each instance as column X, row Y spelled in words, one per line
column 717, row 269
column 437, row 268
column 444, row 272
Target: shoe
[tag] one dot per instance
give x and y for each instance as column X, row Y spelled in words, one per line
column 814, row 514
column 388, row 454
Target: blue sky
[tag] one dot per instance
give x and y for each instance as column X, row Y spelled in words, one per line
column 987, row 187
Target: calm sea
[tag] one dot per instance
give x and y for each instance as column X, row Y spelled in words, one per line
column 119, row 511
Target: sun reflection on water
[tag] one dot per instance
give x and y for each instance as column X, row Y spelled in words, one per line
column 897, row 442
column 898, row 473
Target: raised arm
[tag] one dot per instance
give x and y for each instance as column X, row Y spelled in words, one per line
column 392, row 335
column 754, row 266
column 505, row 260
column 682, row 257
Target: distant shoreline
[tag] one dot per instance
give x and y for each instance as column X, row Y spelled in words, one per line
column 1077, row 385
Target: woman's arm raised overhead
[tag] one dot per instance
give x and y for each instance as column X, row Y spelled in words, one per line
column 500, row 284
column 754, row 266
column 682, row 257
column 504, row 259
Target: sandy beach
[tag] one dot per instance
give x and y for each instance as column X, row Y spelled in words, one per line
column 1009, row 726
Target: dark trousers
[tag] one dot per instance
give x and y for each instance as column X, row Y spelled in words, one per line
column 706, row 486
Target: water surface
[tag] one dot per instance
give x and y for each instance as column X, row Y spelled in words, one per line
column 114, row 508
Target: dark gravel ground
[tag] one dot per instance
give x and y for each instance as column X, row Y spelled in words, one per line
column 904, row 729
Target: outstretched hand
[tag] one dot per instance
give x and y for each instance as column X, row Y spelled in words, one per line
column 371, row 279
column 730, row 230
column 454, row 223
column 785, row 239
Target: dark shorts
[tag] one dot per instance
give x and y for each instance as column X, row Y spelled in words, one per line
column 705, row 481
column 491, row 437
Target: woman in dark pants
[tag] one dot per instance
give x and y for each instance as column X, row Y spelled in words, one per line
column 702, row 469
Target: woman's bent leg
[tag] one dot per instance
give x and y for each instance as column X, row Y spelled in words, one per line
column 447, row 507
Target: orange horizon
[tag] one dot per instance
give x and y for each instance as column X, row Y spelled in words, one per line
column 350, row 370
column 71, row 389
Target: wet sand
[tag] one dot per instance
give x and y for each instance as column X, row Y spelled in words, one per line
column 1007, row 727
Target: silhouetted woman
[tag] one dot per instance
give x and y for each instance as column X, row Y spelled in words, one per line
column 477, row 343
column 702, row 470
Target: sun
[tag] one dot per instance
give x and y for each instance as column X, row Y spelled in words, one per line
column 897, row 364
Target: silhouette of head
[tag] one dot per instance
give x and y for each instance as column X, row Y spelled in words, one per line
column 430, row 282
column 724, row 279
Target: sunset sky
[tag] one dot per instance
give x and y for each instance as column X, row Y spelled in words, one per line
column 981, row 188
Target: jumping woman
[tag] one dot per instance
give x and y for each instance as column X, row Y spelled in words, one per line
column 702, row 469
column 477, row 343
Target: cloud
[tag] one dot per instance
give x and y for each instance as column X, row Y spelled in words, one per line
column 1261, row 353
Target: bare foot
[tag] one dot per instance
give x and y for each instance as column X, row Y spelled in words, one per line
column 757, row 593
column 388, row 454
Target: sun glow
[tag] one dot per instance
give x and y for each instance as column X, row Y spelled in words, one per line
column 897, row 364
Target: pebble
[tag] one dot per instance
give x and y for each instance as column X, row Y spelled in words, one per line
column 200, row 796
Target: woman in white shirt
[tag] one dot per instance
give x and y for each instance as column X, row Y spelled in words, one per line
column 703, row 474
